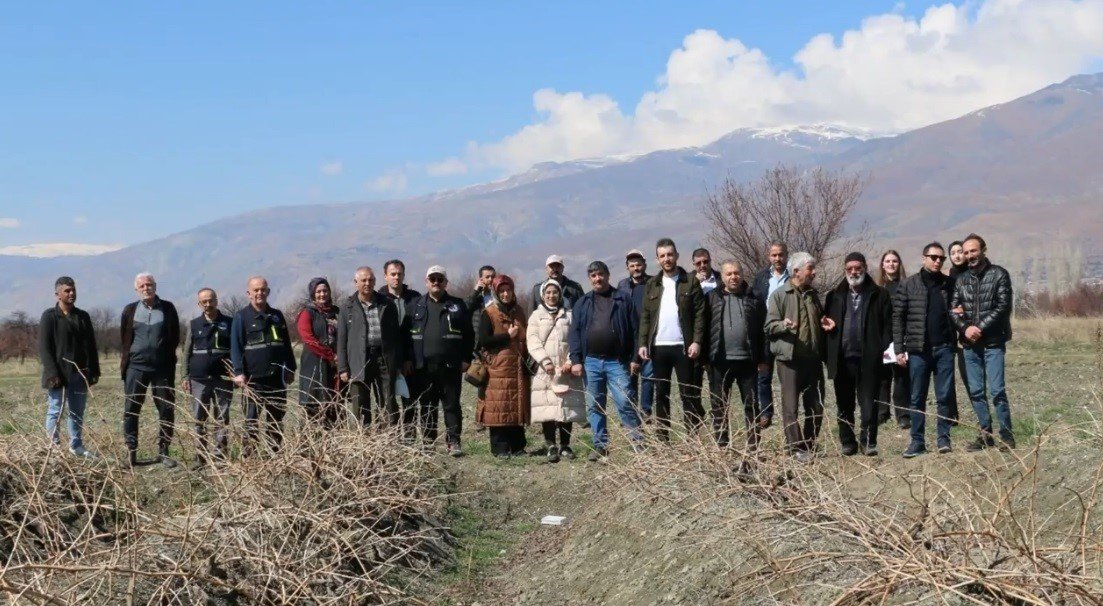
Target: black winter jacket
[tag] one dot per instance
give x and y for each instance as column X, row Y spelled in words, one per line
column 876, row 334
column 909, row 313
column 985, row 295
column 170, row 337
column 692, row 309
column 753, row 311
column 66, row 343
column 572, row 292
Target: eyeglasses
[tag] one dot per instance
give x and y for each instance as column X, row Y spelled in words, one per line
column 936, row 257
column 437, row 279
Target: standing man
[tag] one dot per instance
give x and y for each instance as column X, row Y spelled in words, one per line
column 736, row 350
column 150, row 331
column 403, row 298
column 795, row 327
column 766, row 283
column 207, row 374
column 602, row 349
column 923, row 338
column 859, row 328
column 672, row 329
column 702, row 268
column 264, row 364
column 370, row 349
column 70, row 364
column 442, row 340
column 481, row 297
column 640, row 388
column 984, row 294
column 572, row 291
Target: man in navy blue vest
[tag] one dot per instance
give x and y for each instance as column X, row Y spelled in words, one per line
column 207, row 375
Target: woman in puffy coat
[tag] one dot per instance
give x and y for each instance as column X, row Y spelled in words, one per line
column 319, row 388
column 557, row 396
column 503, row 406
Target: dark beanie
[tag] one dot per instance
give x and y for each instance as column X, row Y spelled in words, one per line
column 314, row 284
column 598, row 266
column 856, row 256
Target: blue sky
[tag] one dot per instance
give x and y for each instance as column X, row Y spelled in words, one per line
column 123, row 122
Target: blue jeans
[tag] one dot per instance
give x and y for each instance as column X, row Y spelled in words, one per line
column 608, row 375
column 984, row 367
column 75, row 394
column 940, row 362
column 766, row 389
column 641, row 390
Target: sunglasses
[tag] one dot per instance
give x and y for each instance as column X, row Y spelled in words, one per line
column 936, row 257
column 437, row 279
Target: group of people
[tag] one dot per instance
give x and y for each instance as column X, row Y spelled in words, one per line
column 394, row 357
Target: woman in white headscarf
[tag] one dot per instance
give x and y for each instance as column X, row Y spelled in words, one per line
column 557, row 398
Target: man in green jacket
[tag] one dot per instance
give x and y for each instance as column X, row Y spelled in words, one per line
column 671, row 334
column 795, row 326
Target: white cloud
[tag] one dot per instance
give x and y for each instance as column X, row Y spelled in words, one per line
column 892, row 73
column 446, row 167
column 333, row 169
column 392, row 181
column 57, row 249
column 9, row 223
column 80, row 220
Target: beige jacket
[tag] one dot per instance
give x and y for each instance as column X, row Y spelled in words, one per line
column 547, row 340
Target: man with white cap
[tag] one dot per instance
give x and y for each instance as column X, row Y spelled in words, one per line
column 441, row 344
column 553, row 267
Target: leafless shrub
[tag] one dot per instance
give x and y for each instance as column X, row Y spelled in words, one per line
column 808, row 210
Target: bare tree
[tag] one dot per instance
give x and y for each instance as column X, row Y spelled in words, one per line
column 105, row 324
column 232, row 304
column 808, row 210
column 18, row 336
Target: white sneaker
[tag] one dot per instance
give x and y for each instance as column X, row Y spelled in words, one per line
column 82, row 452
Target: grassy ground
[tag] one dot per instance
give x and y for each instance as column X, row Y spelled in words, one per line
column 1053, row 376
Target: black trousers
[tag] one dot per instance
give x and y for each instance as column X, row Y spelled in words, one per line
column 894, row 399
column 722, row 376
column 376, row 383
column 507, row 440
column 434, row 387
column 668, row 361
column 853, row 387
column 135, row 385
column 267, row 397
column 551, row 428
column 208, row 394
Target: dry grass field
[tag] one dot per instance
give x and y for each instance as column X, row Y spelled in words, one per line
column 355, row 518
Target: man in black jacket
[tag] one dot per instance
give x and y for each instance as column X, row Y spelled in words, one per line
column 859, row 314
column 736, row 350
column 264, row 364
column 923, row 339
column 402, row 297
column 772, row 277
column 370, row 349
column 984, row 295
column 441, row 344
column 70, row 363
column 481, row 296
column 553, row 267
column 208, row 375
column 641, row 390
column 150, row 331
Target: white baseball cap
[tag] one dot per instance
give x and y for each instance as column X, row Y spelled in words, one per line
column 437, row 269
column 553, row 259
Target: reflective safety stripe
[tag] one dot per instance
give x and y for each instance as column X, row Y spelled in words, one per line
column 417, row 336
column 261, row 346
column 450, row 336
column 210, row 351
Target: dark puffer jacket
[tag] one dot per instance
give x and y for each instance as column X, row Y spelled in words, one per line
column 985, row 295
column 909, row 313
column 754, row 313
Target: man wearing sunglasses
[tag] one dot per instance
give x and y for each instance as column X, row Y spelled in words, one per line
column 923, row 337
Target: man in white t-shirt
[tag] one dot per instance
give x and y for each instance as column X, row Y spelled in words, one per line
column 671, row 335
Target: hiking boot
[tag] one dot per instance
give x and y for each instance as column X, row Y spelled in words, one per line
column 870, row 451
column 1007, row 444
column 980, row 443
column 944, row 447
column 455, row 451
column 914, row 450
column 597, row 454
column 566, row 453
column 552, row 454
column 167, row 461
column 198, row 464
column 849, row 450
column 131, row 460
column 904, row 423
column 803, row 456
column 503, row 456
column 765, row 421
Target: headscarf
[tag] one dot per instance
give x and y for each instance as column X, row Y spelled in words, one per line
column 544, row 287
column 499, row 281
column 314, row 282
